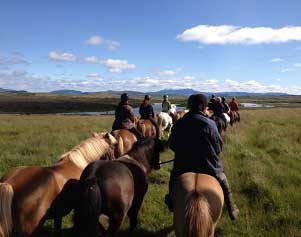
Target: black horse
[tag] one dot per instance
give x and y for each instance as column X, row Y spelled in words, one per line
column 220, row 123
column 115, row 188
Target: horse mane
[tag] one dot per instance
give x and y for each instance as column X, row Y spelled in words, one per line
column 87, row 151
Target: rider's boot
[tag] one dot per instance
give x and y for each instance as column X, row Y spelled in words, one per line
column 231, row 206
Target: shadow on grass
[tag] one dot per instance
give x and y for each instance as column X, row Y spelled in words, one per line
column 49, row 232
column 145, row 233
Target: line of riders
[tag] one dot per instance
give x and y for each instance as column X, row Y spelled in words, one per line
column 195, row 138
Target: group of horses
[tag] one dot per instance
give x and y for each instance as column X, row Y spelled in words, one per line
column 105, row 174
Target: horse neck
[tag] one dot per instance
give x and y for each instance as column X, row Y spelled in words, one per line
column 143, row 156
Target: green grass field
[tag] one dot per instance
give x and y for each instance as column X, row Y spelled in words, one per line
column 261, row 158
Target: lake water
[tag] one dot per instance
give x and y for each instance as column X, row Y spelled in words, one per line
column 253, row 105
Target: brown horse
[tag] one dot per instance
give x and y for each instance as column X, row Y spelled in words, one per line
column 125, row 139
column 179, row 114
column 115, row 188
column 146, row 128
column 234, row 117
column 198, row 201
column 28, row 192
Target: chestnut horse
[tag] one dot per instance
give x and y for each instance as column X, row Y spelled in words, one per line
column 115, row 188
column 146, row 128
column 198, row 200
column 27, row 192
column 125, row 139
column 234, row 117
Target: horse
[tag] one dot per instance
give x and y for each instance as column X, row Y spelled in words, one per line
column 27, row 192
column 198, row 200
column 116, row 189
column 125, row 139
column 165, row 123
column 234, row 117
column 180, row 114
column 146, row 128
column 220, row 123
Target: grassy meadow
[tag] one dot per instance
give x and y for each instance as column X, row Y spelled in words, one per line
column 261, row 158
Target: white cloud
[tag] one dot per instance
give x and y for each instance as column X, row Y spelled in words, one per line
column 95, row 76
column 61, row 56
column 276, row 60
column 297, row 65
column 97, row 40
column 278, row 79
column 15, row 59
column 22, row 80
column 228, row 34
column 169, row 72
column 114, row 65
column 92, row 59
column 188, row 78
column 287, row 70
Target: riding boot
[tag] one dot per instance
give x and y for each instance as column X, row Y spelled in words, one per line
column 231, row 206
column 136, row 132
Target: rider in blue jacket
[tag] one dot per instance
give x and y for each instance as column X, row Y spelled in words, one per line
column 197, row 144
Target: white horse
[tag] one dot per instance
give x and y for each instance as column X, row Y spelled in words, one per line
column 165, row 121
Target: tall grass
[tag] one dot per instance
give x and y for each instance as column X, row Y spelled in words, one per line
column 261, row 158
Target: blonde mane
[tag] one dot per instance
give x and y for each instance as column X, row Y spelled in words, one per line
column 89, row 150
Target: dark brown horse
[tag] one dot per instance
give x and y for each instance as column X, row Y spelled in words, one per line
column 28, row 192
column 115, row 188
column 146, row 128
column 125, row 139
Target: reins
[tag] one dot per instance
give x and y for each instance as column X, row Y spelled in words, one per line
column 165, row 162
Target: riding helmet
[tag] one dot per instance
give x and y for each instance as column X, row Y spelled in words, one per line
column 124, row 97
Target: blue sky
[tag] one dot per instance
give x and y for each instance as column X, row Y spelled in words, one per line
column 143, row 45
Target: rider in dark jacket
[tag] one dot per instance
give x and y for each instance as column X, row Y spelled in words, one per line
column 197, row 145
column 146, row 111
column 124, row 116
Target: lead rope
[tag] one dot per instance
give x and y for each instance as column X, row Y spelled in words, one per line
column 165, row 162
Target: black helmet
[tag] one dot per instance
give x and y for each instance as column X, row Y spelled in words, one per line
column 223, row 99
column 165, row 96
column 124, row 97
column 147, row 97
column 197, row 102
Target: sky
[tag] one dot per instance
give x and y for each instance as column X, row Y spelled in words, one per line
column 205, row 45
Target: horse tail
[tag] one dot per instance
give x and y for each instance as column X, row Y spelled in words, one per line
column 6, row 223
column 198, row 221
column 88, row 210
column 160, row 121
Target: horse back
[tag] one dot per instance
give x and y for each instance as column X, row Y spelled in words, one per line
column 34, row 190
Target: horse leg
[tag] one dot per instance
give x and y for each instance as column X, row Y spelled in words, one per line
column 134, row 210
column 115, row 222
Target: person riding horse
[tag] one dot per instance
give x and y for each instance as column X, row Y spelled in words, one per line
column 197, row 144
column 124, row 116
column 226, row 106
column 234, row 107
column 146, row 111
column 166, row 106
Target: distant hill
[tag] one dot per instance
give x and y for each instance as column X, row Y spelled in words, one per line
column 177, row 92
column 12, row 91
column 68, row 92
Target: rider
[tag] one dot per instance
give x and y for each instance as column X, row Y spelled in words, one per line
column 124, row 116
column 146, row 111
column 226, row 106
column 234, row 107
column 166, row 106
column 197, row 144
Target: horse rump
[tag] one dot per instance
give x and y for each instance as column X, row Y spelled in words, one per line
column 87, row 212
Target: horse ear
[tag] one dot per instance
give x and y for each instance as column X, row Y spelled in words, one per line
column 111, row 138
